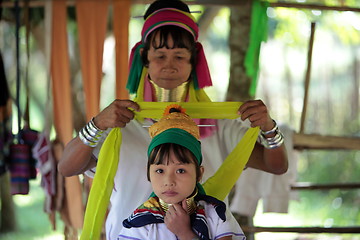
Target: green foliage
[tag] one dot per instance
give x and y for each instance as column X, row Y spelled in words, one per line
column 329, row 109
column 329, row 206
column 287, row 23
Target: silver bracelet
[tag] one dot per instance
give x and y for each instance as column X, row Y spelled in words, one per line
column 90, row 134
column 271, row 142
column 85, row 140
column 94, row 127
column 271, row 131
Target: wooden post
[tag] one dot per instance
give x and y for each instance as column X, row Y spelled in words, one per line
column 307, row 77
column 239, row 82
column 7, row 209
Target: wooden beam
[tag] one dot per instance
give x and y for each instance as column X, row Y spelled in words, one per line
column 40, row 3
column 314, row 7
column 199, row 2
column 32, row 3
column 355, row 229
column 312, row 186
column 315, row 141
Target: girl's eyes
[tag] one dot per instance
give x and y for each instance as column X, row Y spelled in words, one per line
column 177, row 171
column 180, row 170
column 177, row 57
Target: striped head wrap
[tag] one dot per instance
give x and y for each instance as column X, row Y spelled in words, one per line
column 168, row 17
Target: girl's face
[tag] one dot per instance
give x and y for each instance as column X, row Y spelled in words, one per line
column 173, row 181
column 169, row 67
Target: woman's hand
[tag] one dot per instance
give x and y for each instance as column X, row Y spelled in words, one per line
column 257, row 113
column 117, row 114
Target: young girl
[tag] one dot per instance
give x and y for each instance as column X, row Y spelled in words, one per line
column 178, row 208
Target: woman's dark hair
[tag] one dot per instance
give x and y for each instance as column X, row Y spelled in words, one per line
column 159, row 4
column 161, row 155
column 181, row 38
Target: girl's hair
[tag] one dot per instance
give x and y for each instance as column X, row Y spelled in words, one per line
column 181, row 39
column 161, row 155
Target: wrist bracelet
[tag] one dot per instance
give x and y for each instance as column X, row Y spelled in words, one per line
column 94, row 127
column 85, row 140
column 271, row 142
column 90, row 134
column 271, row 131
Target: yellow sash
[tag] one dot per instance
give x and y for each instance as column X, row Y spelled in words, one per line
column 219, row 185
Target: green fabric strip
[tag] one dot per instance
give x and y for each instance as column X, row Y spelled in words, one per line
column 258, row 34
column 135, row 71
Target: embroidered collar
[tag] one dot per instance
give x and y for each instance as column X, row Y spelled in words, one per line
column 151, row 212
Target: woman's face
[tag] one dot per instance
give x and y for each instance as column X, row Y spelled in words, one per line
column 173, row 181
column 168, row 68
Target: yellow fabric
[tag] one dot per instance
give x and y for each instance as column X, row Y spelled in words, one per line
column 102, row 186
column 221, row 183
column 217, row 186
column 197, row 95
column 211, row 110
column 140, row 91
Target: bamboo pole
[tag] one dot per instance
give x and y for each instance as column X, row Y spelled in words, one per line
column 307, row 77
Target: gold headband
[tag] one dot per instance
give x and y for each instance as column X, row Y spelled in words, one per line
column 175, row 120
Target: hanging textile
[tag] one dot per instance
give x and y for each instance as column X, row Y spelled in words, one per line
column 42, row 149
column 62, row 107
column 219, row 185
column 22, row 164
column 258, row 34
column 121, row 20
column 91, row 17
